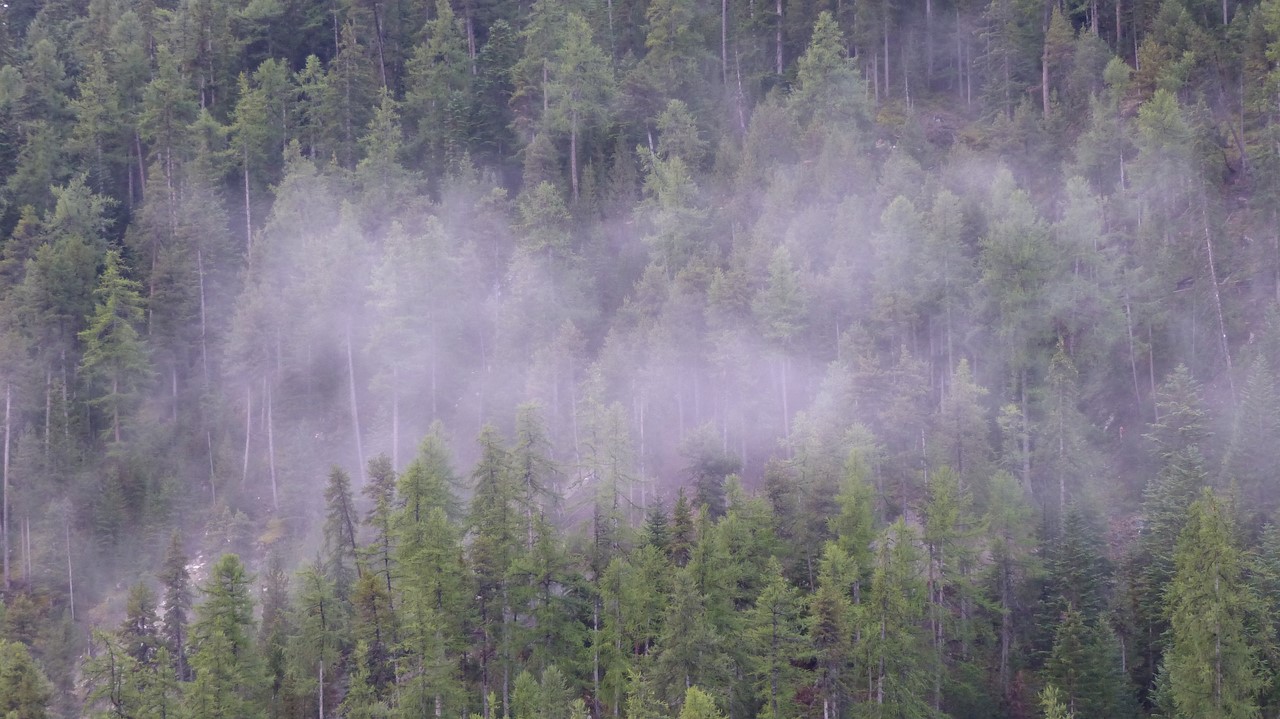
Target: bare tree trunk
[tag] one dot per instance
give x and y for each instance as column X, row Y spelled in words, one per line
column 115, row 409
column 382, row 69
column 142, row 167
column 248, row 430
column 786, row 409
column 928, row 42
column 4, row 515
column 1119, row 27
column 1217, row 295
column 271, row 448
column 887, row 84
column 71, row 580
column 204, row 327
column 395, row 422
column 778, row 39
column 248, row 211
column 573, row 155
column 1044, row 77
column 724, row 41
column 355, row 409
column 320, row 692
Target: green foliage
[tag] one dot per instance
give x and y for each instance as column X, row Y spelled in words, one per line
column 1212, row 663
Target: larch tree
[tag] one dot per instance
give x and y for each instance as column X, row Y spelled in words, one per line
column 115, row 355
column 580, row 88
column 1212, row 662
column 229, row 677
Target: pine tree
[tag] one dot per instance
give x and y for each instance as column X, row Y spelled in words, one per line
column 115, row 355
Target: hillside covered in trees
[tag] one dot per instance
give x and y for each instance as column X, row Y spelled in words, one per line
column 574, row 359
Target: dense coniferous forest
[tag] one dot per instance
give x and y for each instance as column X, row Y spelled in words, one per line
column 569, row 359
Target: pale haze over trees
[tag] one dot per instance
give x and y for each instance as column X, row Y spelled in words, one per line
column 579, row 359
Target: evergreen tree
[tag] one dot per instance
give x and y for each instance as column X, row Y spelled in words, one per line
column 340, row 532
column 1212, row 662
column 24, row 690
column 115, row 355
column 1085, row 665
column 177, row 605
column 229, row 678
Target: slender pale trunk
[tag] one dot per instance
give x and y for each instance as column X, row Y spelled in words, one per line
column 1026, row 435
column 573, row 154
column 71, row 580
column 204, row 326
column 115, row 408
column 1119, row 27
column 1044, row 76
column 320, row 690
column 48, row 408
column 928, row 41
column 4, row 500
column 271, row 448
column 248, row 430
column 724, row 41
column 778, row 38
column 248, row 211
column 786, row 409
column 887, row 84
column 382, row 70
column 355, row 409
column 1217, row 298
column 395, row 423
column 142, row 167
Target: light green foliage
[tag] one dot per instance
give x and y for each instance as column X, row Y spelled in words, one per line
column 24, row 691
column 229, row 677
column 1212, row 661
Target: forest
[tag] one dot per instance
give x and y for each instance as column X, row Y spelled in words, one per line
column 640, row 359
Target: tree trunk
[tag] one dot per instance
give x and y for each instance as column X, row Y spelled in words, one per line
column 355, row 409
column 778, row 39
column 928, row 42
column 71, row 580
column 786, row 409
column 115, row 407
column 887, row 84
column 248, row 430
column 248, row 211
column 1217, row 297
column 4, row 500
column 573, row 154
column 724, row 41
column 395, row 422
column 271, row 448
column 204, row 331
